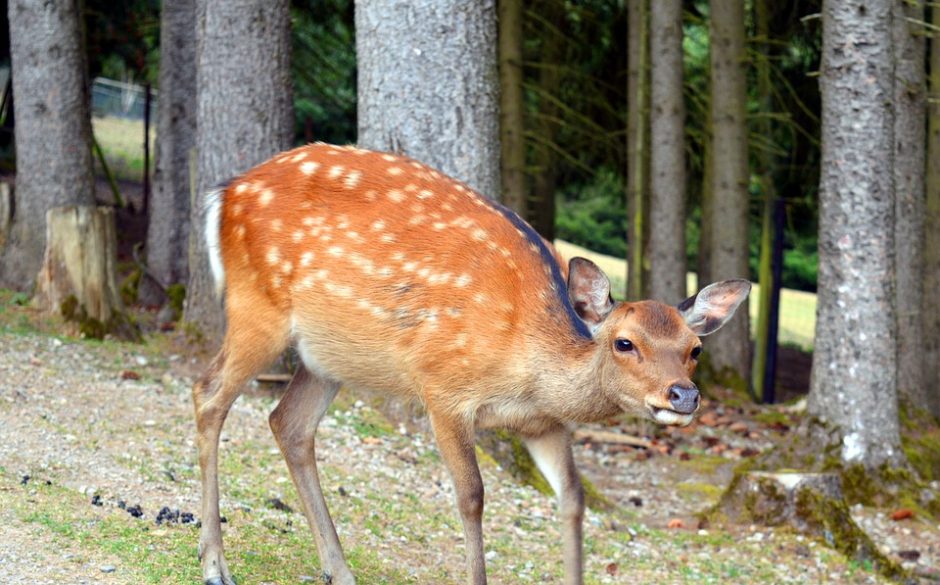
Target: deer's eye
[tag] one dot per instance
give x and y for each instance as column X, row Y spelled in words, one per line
column 623, row 345
column 696, row 351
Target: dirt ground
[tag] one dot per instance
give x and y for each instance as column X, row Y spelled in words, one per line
column 99, row 484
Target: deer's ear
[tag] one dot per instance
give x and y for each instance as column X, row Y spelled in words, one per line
column 589, row 291
column 714, row 305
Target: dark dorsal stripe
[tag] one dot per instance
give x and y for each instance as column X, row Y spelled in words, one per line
column 561, row 287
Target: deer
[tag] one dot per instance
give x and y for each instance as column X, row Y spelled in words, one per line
column 387, row 275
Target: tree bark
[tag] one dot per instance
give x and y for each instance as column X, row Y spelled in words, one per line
column 910, row 102
column 637, row 142
column 428, row 85
column 512, row 107
column 168, row 226
column 244, row 116
column 853, row 390
column 728, row 248
column 542, row 203
column 667, row 154
column 53, row 129
column 931, row 252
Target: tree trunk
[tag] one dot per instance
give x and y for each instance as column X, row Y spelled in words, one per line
column 53, row 129
column 512, row 107
column 244, row 116
column 542, row 203
column 909, row 151
column 853, row 390
column 931, row 300
column 168, row 226
column 637, row 132
column 428, row 85
column 81, row 250
column 728, row 248
column 667, row 155
column 765, row 162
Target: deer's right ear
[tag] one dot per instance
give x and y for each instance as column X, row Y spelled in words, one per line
column 714, row 305
column 589, row 291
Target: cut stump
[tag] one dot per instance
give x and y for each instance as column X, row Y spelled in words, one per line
column 78, row 277
column 810, row 503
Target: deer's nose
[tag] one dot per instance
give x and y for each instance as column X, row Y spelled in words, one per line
column 684, row 400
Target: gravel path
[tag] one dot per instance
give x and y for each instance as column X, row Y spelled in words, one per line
column 73, row 416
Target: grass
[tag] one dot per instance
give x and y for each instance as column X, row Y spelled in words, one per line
column 797, row 308
column 122, row 141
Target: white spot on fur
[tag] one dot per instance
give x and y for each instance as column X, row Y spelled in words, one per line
column 265, row 198
column 273, row 256
column 309, row 167
column 335, row 171
column 394, row 171
column 396, row 195
column 241, row 188
column 388, row 157
column 463, row 280
column 352, row 179
column 287, row 268
column 335, row 251
column 306, row 258
column 378, row 225
column 297, row 236
column 298, row 157
column 277, row 225
column 387, row 238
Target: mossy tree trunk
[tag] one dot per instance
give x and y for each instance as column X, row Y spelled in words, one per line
column 545, row 175
column 512, row 107
column 667, row 155
column 931, row 251
column 637, row 144
column 765, row 170
column 910, row 103
column 729, row 349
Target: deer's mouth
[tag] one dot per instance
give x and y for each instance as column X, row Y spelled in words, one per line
column 668, row 416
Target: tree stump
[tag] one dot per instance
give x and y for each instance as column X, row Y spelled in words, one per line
column 78, row 276
column 810, row 503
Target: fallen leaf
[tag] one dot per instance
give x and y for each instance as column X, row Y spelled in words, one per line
column 709, row 419
column 738, row 427
column 676, row 523
column 612, row 569
column 902, row 514
column 130, row 375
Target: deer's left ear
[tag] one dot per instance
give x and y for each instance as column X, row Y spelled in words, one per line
column 589, row 291
column 714, row 305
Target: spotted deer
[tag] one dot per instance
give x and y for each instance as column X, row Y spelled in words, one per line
column 385, row 274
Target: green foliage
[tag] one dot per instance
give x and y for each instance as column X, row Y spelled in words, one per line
column 594, row 215
column 176, row 294
column 323, row 64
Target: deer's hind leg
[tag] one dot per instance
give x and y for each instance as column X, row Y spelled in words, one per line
column 251, row 344
column 294, row 423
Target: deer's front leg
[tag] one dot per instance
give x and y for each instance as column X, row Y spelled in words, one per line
column 455, row 440
column 552, row 454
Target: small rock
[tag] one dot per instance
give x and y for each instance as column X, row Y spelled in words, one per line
column 187, row 518
column 342, row 491
column 141, row 360
column 909, row 555
column 136, row 511
column 96, row 500
column 108, row 568
column 738, row 427
column 491, row 555
column 24, row 480
column 636, row 501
